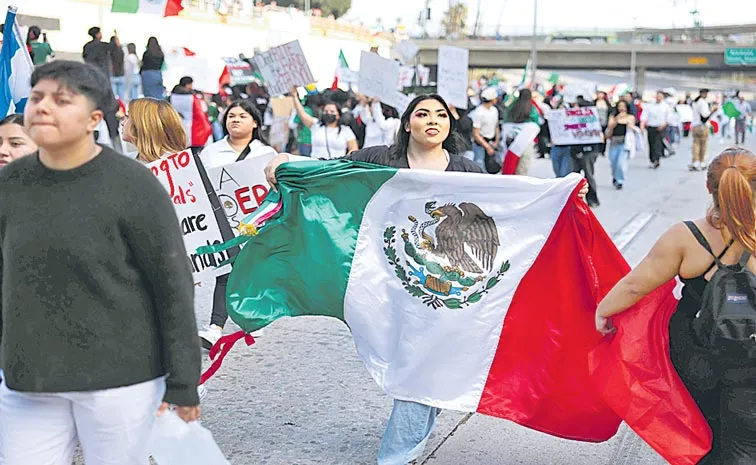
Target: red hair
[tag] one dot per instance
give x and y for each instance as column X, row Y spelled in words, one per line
column 731, row 179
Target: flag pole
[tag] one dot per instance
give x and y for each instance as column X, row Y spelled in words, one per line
column 534, row 49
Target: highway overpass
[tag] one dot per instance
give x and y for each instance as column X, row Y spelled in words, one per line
column 652, row 57
column 649, row 57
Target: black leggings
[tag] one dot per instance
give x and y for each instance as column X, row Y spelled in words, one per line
column 220, row 314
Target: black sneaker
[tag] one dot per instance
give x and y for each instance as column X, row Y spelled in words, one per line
column 656, row 164
column 593, row 204
column 618, row 186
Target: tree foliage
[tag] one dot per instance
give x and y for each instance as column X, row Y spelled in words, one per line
column 455, row 20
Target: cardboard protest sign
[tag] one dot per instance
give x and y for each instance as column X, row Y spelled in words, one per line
column 574, row 126
column 179, row 174
column 241, row 187
column 379, row 77
column 284, row 67
column 453, row 75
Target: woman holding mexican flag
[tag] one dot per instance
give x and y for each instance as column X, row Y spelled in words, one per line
column 426, row 141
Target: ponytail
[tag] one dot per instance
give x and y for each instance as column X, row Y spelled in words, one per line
column 736, row 207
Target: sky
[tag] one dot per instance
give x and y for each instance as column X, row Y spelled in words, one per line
column 516, row 16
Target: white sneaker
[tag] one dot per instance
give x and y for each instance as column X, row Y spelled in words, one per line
column 201, row 392
column 210, row 336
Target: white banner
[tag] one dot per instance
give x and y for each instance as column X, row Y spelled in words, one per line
column 406, row 77
column 452, row 75
column 179, row 175
column 284, row 67
column 379, row 77
column 241, row 187
column 574, row 126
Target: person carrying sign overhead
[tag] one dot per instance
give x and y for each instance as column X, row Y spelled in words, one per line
column 242, row 126
column 330, row 139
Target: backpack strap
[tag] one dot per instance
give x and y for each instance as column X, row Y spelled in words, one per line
column 744, row 259
column 244, row 153
column 700, row 238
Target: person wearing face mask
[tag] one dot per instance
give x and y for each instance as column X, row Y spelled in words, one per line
column 329, row 138
column 96, row 308
column 427, row 140
column 14, row 142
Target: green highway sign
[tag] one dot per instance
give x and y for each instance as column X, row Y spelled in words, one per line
column 740, row 56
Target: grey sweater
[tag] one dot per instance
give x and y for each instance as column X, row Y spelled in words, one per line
column 96, row 291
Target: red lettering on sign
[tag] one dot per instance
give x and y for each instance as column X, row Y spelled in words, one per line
column 259, row 191
column 242, row 197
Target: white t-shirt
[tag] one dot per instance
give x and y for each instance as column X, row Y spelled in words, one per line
column 700, row 109
column 131, row 64
column 221, row 153
column 390, row 127
column 486, row 120
column 328, row 142
column 372, row 122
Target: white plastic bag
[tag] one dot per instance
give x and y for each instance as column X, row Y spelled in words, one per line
column 175, row 442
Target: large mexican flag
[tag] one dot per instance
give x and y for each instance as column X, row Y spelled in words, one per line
column 463, row 291
column 155, row 7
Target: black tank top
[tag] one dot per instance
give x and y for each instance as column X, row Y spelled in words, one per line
column 620, row 130
column 696, row 365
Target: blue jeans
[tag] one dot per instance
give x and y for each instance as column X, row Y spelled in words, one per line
column 133, row 85
column 407, row 432
column 479, row 153
column 152, row 83
column 561, row 160
column 119, row 86
column 618, row 157
column 305, row 150
column 217, row 131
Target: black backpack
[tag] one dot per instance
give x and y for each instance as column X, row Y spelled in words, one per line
column 726, row 322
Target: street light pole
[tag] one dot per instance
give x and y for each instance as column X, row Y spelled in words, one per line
column 534, row 49
column 633, row 58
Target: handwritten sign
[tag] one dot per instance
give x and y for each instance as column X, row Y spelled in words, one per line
column 453, row 74
column 241, row 187
column 347, row 76
column 179, row 175
column 400, row 101
column 379, row 77
column 283, row 67
column 574, row 126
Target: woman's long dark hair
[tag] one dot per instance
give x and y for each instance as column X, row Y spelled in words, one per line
column 249, row 108
column 338, row 113
column 154, row 47
column 520, row 111
column 401, row 144
column 13, row 119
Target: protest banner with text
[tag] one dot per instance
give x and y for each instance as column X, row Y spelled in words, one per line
column 453, row 75
column 284, row 67
column 241, row 187
column 574, row 126
column 179, row 174
column 379, row 77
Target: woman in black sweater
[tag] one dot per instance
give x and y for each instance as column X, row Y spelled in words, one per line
column 96, row 294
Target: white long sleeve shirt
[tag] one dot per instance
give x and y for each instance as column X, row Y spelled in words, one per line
column 656, row 114
column 373, row 122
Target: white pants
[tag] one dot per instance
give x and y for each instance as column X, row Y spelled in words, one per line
column 112, row 425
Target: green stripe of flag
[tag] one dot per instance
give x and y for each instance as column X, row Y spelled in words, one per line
column 302, row 258
column 125, row 6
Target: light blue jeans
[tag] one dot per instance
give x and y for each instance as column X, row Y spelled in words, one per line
column 561, row 160
column 407, row 432
column 618, row 157
column 119, row 86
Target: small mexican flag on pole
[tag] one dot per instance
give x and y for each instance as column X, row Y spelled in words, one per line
column 153, row 7
column 342, row 65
